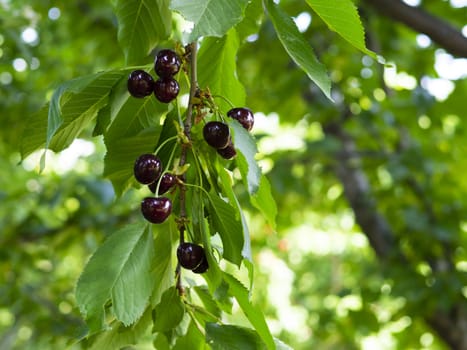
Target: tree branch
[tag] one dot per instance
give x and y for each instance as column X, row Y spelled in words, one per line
column 358, row 192
column 440, row 31
column 450, row 323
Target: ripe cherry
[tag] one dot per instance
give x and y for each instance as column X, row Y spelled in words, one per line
column 228, row 152
column 166, row 89
column 156, row 210
column 167, row 63
column 243, row 115
column 140, row 84
column 216, row 134
column 147, row 168
column 202, row 267
column 167, row 182
column 190, row 255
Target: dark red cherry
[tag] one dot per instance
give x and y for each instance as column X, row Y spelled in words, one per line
column 156, row 209
column 166, row 89
column 202, row 267
column 167, row 63
column 243, row 115
column 190, row 255
column 140, row 84
column 167, row 182
column 216, row 134
column 228, row 152
column 147, row 168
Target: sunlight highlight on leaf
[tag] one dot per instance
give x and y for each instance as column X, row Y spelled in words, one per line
column 342, row 17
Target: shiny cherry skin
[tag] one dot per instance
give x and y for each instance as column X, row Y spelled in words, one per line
column 156, row 209
column 216, row 134
column 167, row 182
column 166, row 89
column 202, row 267
column 228, row 152
column 147, row 168
column 243, row 115
column 140, row 84
column 190, row 255
column 167, row 63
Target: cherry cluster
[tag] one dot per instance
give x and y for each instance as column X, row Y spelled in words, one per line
column 148, row 171
column 217, row 134
column 148, row 168
column 166, row 88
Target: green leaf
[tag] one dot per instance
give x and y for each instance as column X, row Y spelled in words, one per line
column 192, row 340
column 179, row 330
column 246, row 145
column 223, row 337
column 217, row 69
column 169, row 312
column 253, row 313
column 74, row 105
column 117, row 99
column 162, row 263
column 342, row 17
column 264, row 201
column 210, row 17
column 161, row 342
column 224, row 220
column 120, row 336
column 135, row 130
column 121, row 156
column 141, row 25
column 207, row 300
column 34, row 134
column 297, row 47
column 135, row 115
column 227, row 189
column 280, row 345
column 213, row 274
column 169, row 130
column 118, row 271
column 223, row 298
column 252, row 20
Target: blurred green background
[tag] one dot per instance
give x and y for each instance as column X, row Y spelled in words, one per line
column 318, row 279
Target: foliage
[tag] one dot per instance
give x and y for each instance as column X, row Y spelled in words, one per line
column 408, row 142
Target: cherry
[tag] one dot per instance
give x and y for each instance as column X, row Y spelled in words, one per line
column 156, row 210
column 202, row 267
column 216, row 134
column 166, row 89
column 228, row 152
column 167, row 63
column 167, row 182
column 147, row 168
column 190, row 255
column 243, row 115
column 140, row 84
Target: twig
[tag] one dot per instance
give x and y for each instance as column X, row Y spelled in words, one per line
column 192, row 47
column 440, row 31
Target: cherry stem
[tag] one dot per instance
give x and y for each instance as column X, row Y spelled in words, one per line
column 198, row 168
column 193, row 47
column 196, row 322
column 204, row 311
column 199, row 188
column 225, row 99
column 164, row 143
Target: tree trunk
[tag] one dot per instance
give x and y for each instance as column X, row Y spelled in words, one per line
column 451, row 326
